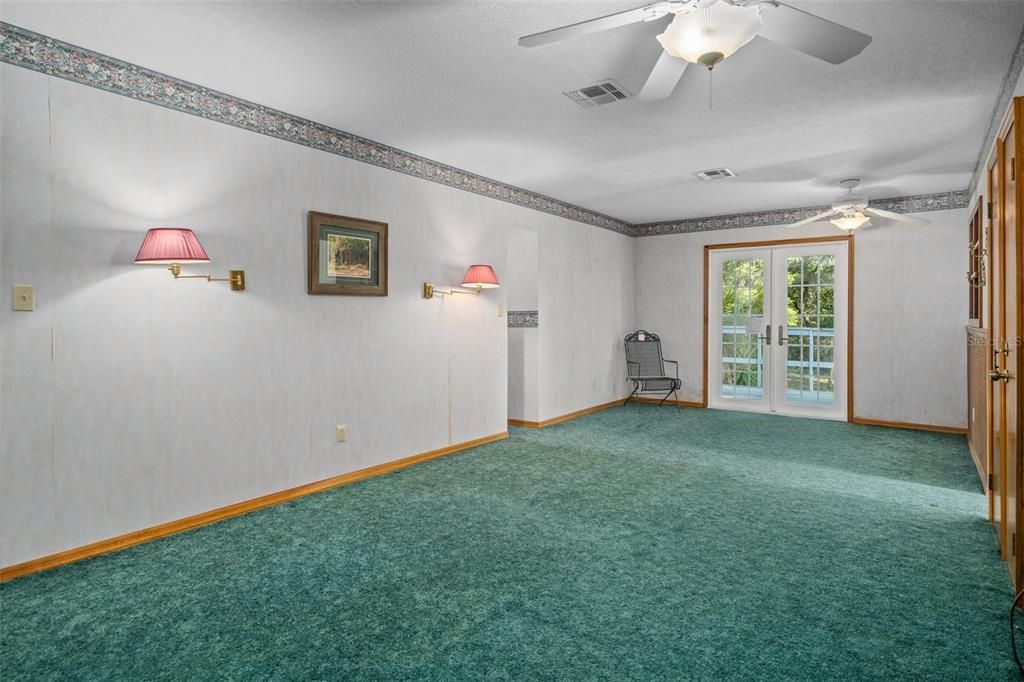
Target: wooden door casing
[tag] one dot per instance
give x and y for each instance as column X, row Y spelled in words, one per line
column 996, row 436
column 1011, row 341
column 987, row 326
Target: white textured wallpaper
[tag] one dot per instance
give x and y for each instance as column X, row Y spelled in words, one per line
column 130, row 399
column 910, row 308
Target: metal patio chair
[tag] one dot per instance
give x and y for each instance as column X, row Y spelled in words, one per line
column 645, row 367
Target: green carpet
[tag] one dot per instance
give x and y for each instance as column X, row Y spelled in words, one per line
column 641, row 542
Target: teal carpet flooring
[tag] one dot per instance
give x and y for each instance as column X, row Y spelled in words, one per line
column 637, row 543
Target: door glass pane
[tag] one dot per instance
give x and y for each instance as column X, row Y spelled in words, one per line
column 810, row 312
column 743, row 360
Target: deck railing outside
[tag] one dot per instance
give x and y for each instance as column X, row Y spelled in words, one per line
column 809, row 337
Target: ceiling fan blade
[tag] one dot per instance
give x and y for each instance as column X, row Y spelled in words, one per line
column 813, row 218
column 901, row 217
column 630, row 16
column 810, row 34
column 663, row 78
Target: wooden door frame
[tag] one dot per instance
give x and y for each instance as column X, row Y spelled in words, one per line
column 1015, row 121
column 987, row 323
column 848, row 238
column 998, row 194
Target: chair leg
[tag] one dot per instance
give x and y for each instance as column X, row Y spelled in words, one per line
column 677, row 399
column 630, row 397
column 666, row 397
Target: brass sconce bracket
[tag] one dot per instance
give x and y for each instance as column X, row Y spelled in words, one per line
column 979, row 254
column 235, row 278
column 429, row 291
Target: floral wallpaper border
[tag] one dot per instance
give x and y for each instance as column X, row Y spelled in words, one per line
column 24, row 48
column 53, row 57
column 924, row 202
column 523, row 318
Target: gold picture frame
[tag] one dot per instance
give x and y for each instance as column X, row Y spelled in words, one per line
column 347, row 256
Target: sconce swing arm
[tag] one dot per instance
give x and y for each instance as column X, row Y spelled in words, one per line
column 235, row 277
column 429, row 291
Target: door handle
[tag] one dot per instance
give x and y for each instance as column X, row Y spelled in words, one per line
column 768, row 334
column 996, row 375
column 782, row 339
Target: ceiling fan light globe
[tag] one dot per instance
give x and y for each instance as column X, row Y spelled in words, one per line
column 851, row 222
column 710, row 34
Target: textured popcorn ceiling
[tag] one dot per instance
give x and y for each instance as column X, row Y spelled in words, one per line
column 446, row 80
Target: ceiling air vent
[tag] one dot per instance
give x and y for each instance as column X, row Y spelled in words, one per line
column 715, row 174
column 605, row 92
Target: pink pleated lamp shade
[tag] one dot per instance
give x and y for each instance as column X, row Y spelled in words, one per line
column 167, row 245
column 480, row 277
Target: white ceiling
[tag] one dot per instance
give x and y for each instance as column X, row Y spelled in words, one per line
column 447, row 80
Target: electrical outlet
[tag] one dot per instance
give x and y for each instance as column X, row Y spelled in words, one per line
column 23, row 298
column 341, row 433
column 501, row 310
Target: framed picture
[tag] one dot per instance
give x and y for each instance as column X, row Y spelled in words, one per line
column 347, row 256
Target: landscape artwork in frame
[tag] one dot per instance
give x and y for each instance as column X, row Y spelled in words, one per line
column 347, row 256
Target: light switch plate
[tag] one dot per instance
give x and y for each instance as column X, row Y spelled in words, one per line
column 23, row 297
column 341, row 433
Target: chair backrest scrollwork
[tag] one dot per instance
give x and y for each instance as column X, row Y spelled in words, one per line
column 643, row 354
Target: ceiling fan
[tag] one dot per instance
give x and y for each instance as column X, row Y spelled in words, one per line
column 851, row 211
column 707, row 31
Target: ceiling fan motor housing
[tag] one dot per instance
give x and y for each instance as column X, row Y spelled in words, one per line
column 850, row 204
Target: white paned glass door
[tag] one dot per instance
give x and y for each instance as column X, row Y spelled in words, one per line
column 738, row 366
column 810, row 317
column 777, row 329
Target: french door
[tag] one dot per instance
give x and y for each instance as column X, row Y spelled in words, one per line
column 777, row 329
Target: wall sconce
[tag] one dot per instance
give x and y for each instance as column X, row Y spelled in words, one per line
column 477, row 277
column 977, row 255
column 173, row 246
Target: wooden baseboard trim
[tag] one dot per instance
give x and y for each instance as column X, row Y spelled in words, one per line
column 237, row 509
column 910, row 425
column 524, row 423
column 565, row 417
column 678, row 403
column 596, row 408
